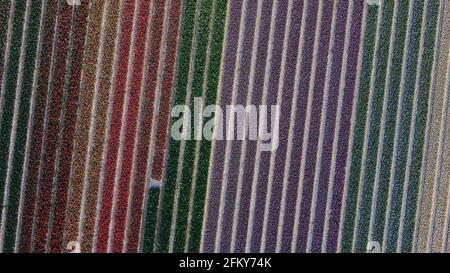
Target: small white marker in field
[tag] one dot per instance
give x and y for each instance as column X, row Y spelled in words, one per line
column 74, row 2
column 373, row 2
column 73, row 247
column 154, row 184
column 373, row 247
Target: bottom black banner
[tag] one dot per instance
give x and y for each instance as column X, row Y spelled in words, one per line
column 219, row 262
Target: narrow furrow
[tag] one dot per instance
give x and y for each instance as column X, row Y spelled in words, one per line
column 431, row 149
column 67, row 130
column 401, row 145
column 285, row 95
column 417, row 138
column 239, row 97
column 312, row 126
column 269, row 99
column 224, row 96
column 388, row 124
column 115, row 123
column 142, row 173
column 20, row 124
column 404, row 112
column 131, row 109
column 181, row 212
column 298, row 126
column 92, row 185
column 204, row 153
column 53, row 114
column 145, row 161
column 347, row 220
column 5, row 15
column 372, row 132
column 8, row 93
column 343, row 131
column 81, row 138
column 256, row 78
column 36, row 137
column 328, row 124
column 165, row 208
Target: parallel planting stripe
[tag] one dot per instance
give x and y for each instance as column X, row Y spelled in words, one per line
column 67, row 129
column 431, row 168
column 342, row 132
column 440, row 194
column 242, row 97
column 398, row 166
column 328, row 123
column 439, row 233
column 115, row 122
column 128, row 131
column 171, row 17
column 446, row 179
column 103, row 88
column 297, row 124
column 56, row 91
column 359, row 120
column 145, row 137
column 36, row 138
column 87, row 87
column 29, row 125
column 285, row 90
column 445, row 169
column 294, row 64
column 198, row 202
column 224, row 97
column 176, row 234
column 89, row 155
column 152, row 191
column 5, row 18
column 403, row 124
column 172, row 33
column 388, row 125
column 186, row 166
column 312, row 127
column 20, row 125
column 8, row 93
column 269, row 98
column 158, row 237
column 258, row 60
column 229, row 185
column 372, row 130
column 414, row 165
